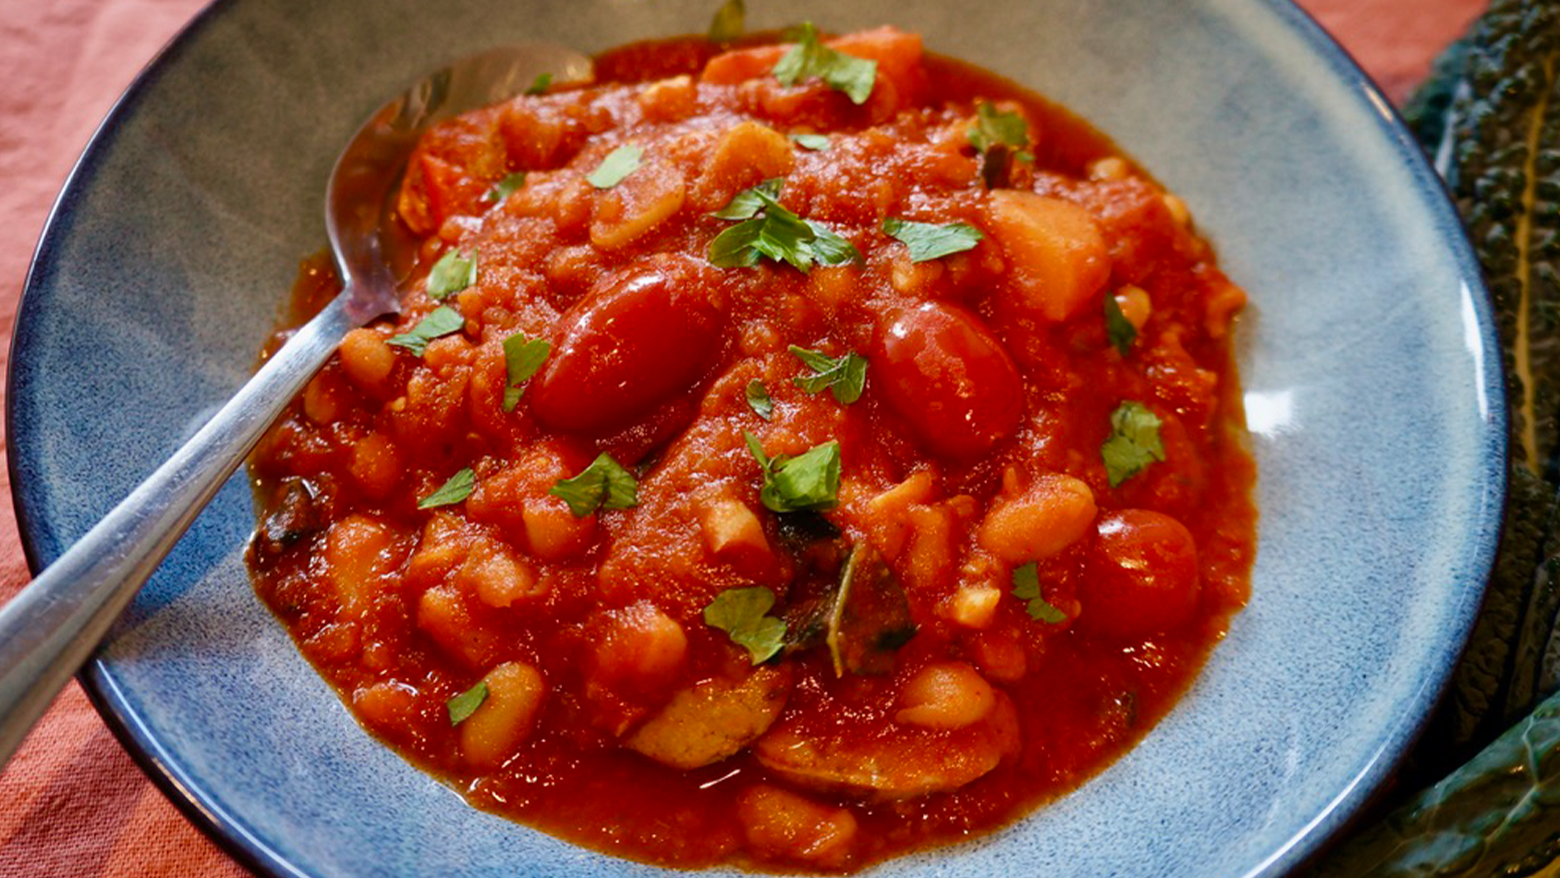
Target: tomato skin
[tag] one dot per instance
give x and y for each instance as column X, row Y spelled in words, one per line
column 640, row 337
column 943, row 371
column 1141, row 575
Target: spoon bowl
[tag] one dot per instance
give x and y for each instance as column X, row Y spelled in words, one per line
column 51, row 627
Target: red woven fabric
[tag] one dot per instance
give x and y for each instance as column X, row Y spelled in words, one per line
column 73, row 803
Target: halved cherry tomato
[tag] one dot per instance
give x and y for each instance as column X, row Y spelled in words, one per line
column 944, row 372
column 1141, row 575
column 637, row 339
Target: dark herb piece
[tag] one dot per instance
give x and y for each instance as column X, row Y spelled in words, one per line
column 462, row 706
column 845, row 377
column 742, row 614
column 1000, row 138
column 522, row 358
column 928, row 241
column 458, row 488
column 870, row 618
column 603, row 485
column 442, row 320
column 841, row 72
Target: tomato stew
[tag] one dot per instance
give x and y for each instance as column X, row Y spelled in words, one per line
column 795, row 455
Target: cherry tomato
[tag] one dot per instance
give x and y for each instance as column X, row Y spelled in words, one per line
column 944, row 372
column 639, row 338
column 1141, row 575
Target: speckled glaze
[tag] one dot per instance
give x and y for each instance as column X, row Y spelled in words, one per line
column 1367, row 353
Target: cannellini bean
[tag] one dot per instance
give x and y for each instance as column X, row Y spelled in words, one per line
column 503, row 721
column 497, row 577
column 375, row 465
column 783, row 824
column 1051, row 515
column 359, row 551
column 366, row 359
column 950, row 695
column 1135, row 305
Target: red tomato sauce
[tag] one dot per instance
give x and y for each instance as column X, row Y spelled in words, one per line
column 1044, row 516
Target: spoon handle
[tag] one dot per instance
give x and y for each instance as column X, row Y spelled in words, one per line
column 50, row 629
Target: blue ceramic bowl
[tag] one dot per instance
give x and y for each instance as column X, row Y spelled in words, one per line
column 1368, row 357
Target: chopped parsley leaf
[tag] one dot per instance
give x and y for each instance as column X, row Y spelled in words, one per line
column 618, row 164
column 778, row 234
column 1026, row 587
column 928, row 241
column 1133, row 443
column 540, row 85
column 522, row 358
column 758, row 399
column 809, row 482
column 458, row 488
column 814, row 142
column 841, row 72
column 728, row 22
column 451, row 274
column 605, row 484
column 742, row 614
column 1117, row 327
column 442, row 320
column 845, row 377
column 500, row 191
column 462, row 706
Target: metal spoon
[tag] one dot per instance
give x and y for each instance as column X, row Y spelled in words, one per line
column 48, row 631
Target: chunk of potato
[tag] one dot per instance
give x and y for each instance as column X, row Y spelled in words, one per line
column 1055, row 252
column 504, row 720
column 714, row 719
column 911, row 762
column 640, row 648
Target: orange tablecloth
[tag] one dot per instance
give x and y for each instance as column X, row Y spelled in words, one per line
column 71, row 802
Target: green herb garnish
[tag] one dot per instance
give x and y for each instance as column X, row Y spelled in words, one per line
column 539, row 85
column 451, row 274
column 928, row 241
column 458, row 488
column 1133, row 443
column 841, row 72
column 728, row 22
column 999, row 138
column 742, row 614
column 814, row 142
column 1026, row 587
column 442, row 320
column 845, row 377
column 1120, row 330
column 500, row 191
column 758, row 399
column 462, row 706
column 522, row 358
column 809, row 482
column 618, row 164
column 604, row 484
column 778, row 234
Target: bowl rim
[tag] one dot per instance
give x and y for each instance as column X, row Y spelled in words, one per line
column 189, row 795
